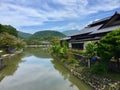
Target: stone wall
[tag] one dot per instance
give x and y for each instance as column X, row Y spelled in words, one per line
column 95, row 81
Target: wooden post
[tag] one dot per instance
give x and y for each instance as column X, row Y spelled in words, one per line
column 89, row 63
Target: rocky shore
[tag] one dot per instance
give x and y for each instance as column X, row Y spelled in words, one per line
column 95, row 81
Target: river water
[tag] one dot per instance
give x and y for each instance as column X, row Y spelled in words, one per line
column 35, row 69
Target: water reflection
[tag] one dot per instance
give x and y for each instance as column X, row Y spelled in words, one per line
column 66, row 74
column 11, row 63
column 36, row 70
column 38, row 52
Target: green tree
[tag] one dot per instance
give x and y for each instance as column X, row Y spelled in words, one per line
column 109, row 47
column 62, row 52
column 91, row 49
column 55, row 45
column 9, row 29
column 10, row 41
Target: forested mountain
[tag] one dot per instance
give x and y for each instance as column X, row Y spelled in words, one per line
column 24, row 35
column 9, row 29
column 47, row 35
column 41, row 36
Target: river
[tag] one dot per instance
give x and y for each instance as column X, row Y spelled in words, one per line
column 35, row 69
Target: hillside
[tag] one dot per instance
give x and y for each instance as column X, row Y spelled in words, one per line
column 47, row 35
column 70, row 32
column 8, row 29
column 24, row 35
column 41, row 36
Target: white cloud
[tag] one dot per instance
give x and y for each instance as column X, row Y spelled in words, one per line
column 69, row 26
column 19, row 16
column 105, row 5
column 35, row 12
column 24, row 16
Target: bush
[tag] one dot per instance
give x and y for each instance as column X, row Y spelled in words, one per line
column 91, row 49
column 8, row 41
column 62, row 51
column 108, row 47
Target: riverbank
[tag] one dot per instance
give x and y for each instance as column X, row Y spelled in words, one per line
column 98, row 82
column 2, row 65
column 12, row 54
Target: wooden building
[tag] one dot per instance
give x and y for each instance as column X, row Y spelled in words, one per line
column 95, row 31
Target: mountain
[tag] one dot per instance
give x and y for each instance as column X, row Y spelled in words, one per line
column 70, row 32
column 8, row 29
column 43, row 36
column 24, row 35
column 47, row 35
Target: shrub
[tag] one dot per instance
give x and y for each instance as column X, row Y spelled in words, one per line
column 108, row 47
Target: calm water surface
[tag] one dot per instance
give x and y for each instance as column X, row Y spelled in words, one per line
column 35, row 69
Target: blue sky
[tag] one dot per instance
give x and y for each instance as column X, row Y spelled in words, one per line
column 36, row 15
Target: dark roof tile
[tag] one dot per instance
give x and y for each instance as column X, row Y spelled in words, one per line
column 88, row 30
column 108, row 29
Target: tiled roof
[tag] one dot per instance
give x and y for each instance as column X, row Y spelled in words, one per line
column 88, row 30
column 86, row 39
column 106, row 29
column 101, row 20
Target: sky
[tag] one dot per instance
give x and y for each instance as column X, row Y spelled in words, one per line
column 37, row 15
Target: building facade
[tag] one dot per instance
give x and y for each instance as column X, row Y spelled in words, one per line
column 95, row 31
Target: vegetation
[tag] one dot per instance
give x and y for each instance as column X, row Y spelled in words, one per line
column 108, row 48
column 23, row 35
column 32, row 41
column 63, row 52
column 10, row 42
column 9, row 39
column 45, row 36
column 9, row 29
column 91, row 49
